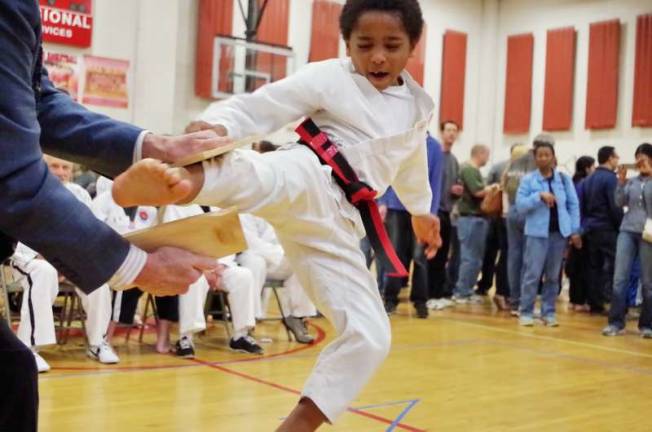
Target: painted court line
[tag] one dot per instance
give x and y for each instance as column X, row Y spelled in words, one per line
column 548, row 338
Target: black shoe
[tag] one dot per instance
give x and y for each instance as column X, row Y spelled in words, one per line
column 390, row 307
column 298, row 328
column 245, row 344
column 422, row 310
column 184, row 348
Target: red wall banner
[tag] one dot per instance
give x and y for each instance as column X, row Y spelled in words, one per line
column 453, row 73
column 68, row 22
column 560, row 73
column 602, row 80
column 518, row 83
column 642, row 112
column 325, row 32
column 215, row 18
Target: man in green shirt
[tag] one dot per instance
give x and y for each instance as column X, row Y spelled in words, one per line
column 472, row 226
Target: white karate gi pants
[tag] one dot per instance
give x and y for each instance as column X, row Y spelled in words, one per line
column 294, row 300
column 320, row 232
column 36, row 317
column 97, row 306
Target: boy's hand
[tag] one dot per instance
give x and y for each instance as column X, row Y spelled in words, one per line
column 426, row 229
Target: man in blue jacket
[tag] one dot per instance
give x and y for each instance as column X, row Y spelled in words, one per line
column 399, row 228
column 601, row 219
column 36, row 209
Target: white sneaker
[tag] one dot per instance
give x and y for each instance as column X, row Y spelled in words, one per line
column 446, row 302
column 434, row 304
column 41, row 364
column 476, row 299
column 103, row 353
column 461, row 300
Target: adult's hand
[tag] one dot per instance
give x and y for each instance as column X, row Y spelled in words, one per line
column 426, row 229
column 548, row 198
column 622, row 175
column 170, row 271
column 174, row 148
column 214, row 277
column 200, row 125
column 576, row 241
column 457, row 190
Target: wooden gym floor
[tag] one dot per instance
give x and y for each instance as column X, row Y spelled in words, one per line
column 465, row 369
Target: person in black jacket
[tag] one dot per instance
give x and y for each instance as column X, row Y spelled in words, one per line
column 601, row 220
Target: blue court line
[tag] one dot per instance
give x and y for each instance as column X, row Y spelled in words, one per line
column 385, row 404
column 411, row 403
column 401, row 415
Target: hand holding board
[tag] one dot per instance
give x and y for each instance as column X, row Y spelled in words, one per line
column 214, row 235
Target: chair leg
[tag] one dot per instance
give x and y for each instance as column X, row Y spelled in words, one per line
column 81, row 313
column 225, row 316
column 3, row 285
column 62, row 319
column 280, row 309
column 145, row 313
column 69, row 317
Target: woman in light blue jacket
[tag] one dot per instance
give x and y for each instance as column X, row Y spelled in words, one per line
column 549, row 202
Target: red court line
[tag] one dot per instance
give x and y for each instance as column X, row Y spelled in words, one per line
column 321, row 336
column 297, row 392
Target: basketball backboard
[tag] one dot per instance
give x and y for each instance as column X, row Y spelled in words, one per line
column 241, row 66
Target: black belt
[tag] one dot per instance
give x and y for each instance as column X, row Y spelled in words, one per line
column 357, row 193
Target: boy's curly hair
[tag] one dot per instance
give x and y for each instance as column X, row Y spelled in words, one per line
column 408, row 10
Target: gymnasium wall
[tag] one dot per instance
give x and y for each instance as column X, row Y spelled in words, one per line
column 538, row 16
column 159, row 38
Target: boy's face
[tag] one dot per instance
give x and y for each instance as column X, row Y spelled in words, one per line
column 379, row 48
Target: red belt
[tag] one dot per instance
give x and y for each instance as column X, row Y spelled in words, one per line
column 357, row 192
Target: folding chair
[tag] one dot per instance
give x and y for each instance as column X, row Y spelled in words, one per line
column 274, row 285
column 223, row 309
column 71, row 310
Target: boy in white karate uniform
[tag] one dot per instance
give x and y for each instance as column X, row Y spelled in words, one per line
column 265, row 258
column 377, row 117
column 97, row 304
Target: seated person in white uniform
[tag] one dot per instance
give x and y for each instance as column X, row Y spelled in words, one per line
column 97, row 305
column 265, row 258
column 236, row 281
column 40, row 283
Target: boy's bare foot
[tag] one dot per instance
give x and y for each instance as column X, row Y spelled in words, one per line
column 151, row 182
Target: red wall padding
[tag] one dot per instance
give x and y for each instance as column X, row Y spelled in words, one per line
column 518, row 83
column 416, row 64
column 602, row 81
column 560, row 74
column 274, row 30
column 451, row 103
column 215, row 18
column 642, row 112
column 325, row 34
